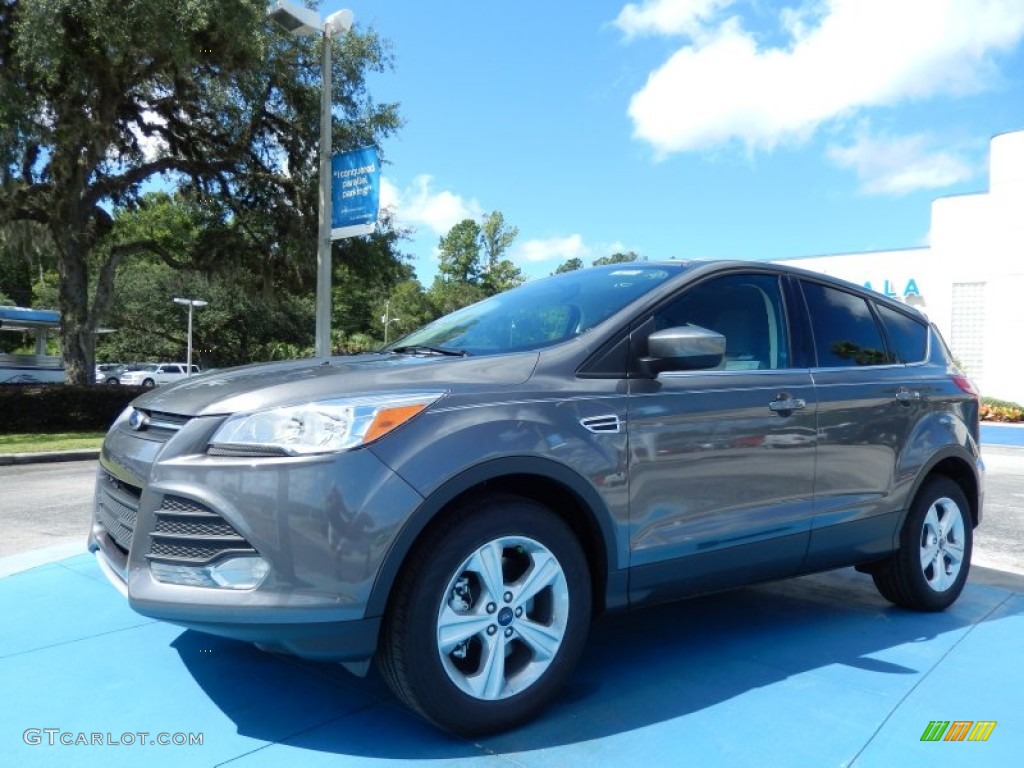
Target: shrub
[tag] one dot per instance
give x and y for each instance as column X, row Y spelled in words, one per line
column 37, row 408
column 1000, row 410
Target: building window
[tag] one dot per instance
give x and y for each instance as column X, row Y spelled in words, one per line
column 967, row 337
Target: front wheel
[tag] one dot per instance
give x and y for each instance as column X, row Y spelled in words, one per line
column 488, row 618
column 930, row 569
column 149, row 383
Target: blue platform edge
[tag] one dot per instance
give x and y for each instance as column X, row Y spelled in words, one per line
column 1002, row 434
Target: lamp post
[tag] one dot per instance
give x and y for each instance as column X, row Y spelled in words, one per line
column 191, row 303
column 387, row 319
column 298, row 20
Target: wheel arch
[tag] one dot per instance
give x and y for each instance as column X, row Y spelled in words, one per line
column 958, row 468
column 547, row 482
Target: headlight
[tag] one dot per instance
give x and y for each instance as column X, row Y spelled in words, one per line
column 322, row 427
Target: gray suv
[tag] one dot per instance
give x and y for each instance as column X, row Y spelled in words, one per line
column 459, row 505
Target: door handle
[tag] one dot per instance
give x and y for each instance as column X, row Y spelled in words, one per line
column 784, row 404
column 906, row 396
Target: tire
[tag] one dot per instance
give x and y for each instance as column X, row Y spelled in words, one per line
column 520, row 573
column 113, row 380
column 149, row 383
column 930, row 569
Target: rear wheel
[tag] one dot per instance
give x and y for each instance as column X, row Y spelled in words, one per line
column 930, row 569
column 488, row 618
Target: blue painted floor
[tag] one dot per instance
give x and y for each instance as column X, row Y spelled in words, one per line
column 817, row 671
column 1002, row 434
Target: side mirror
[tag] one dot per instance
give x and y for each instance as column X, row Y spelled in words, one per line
column 686, row 348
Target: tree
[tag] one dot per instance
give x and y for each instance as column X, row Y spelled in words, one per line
column 471, row 266
column 570, row 265
column 618, row 258
column 99, row 96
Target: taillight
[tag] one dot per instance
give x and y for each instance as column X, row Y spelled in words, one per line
column 965, row 385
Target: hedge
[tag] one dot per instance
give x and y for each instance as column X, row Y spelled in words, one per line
column 40, row 408
column 1000, row 410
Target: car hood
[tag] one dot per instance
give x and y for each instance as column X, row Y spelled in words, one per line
column 269, row 385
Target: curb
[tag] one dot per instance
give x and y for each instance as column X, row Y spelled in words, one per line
column 49, row 457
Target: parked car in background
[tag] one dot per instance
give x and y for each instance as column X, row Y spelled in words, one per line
column 459, row 504
column 154, row 374
column 112, row 373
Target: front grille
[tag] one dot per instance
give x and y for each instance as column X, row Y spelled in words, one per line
column 161, row 426
column 190, row 533
column 117, row 508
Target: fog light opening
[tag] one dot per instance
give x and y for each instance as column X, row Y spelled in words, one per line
column 233, row 573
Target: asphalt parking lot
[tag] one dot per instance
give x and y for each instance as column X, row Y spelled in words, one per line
column 816, row 671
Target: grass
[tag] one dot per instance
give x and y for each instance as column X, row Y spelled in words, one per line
column 55, row 441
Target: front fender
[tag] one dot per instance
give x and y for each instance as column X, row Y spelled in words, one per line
column 518, row 466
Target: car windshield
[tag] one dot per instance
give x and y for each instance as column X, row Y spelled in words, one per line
column 150, row 367
column 540, row 313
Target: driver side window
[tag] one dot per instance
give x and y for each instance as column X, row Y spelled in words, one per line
column 747, row 309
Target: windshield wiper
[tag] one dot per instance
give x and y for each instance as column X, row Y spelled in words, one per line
column 426, row 349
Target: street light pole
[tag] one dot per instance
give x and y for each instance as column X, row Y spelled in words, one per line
column 191, row 303
column 302, row 21
column 387, row 319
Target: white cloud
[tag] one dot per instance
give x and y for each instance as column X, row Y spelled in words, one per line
column 419, row 205
column 896, row 166
column 550, row 249
column 151, row 146
column 667, row 17
column 838, row 57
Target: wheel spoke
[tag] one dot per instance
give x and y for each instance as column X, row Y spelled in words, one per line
column 928, row 555
column 543, row 573
column 944, row 518
column 488, row 682
column 453, row 628
column 955, row 550
column 543, row 640
column 940, row 578
column 487, row 563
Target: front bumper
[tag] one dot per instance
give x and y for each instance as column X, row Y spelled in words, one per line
column 322, row 525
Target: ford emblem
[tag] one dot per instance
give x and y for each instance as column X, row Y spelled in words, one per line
column 138, row 420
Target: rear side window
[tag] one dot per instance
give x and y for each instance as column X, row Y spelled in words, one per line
column 908, row 337
column 845, row 331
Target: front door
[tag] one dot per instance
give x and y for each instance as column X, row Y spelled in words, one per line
column 722, row 461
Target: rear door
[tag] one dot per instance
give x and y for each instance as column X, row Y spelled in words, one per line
column 722, row 461
column 867, row 405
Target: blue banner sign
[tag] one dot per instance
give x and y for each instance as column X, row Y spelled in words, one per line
column 355, row 192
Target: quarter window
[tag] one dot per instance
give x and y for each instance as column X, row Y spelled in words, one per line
column 845, row 331
column 908, row 338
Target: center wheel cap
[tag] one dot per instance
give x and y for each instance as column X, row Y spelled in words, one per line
column 505, row 616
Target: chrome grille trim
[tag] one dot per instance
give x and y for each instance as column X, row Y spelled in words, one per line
column 160, row 426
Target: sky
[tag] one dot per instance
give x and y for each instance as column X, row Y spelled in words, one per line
column 749, row 129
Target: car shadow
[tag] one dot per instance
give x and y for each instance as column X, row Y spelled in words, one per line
column 640, row 668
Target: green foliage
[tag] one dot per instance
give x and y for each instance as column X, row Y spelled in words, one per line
column 471, row 264
column 62, row 407
column 617, row 258
column 99, row 96
column 570, row 265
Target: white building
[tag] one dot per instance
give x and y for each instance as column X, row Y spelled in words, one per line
column 970, row 280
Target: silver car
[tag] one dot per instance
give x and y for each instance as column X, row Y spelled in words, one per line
column 462, row 503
